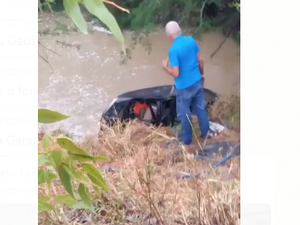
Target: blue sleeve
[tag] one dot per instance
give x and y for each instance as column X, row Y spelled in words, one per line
column 173, row 58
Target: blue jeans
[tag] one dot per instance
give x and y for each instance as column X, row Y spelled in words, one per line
column 191, row 96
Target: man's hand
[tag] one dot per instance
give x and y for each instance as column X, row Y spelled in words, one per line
column 173, row 71
column 165, row 63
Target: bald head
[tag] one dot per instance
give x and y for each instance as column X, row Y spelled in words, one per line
column 173, row 29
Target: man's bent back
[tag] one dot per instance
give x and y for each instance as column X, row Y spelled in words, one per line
column 183, row 54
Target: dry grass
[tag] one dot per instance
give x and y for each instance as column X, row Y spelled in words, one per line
column 227, row 110
column 144, row 187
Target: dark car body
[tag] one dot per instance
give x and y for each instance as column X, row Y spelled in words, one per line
column 161, row 101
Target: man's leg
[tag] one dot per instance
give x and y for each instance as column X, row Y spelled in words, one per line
column 198, row 105
column 183, row 103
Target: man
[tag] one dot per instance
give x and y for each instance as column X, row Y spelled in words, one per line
column 186, row 66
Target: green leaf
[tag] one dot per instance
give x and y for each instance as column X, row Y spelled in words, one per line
column 98, row 9
column 65, row 180
column 51, row 168
column 77, row 174
column 57, row 158
column 46, row 142
column 84, row 195
column 74, row 174
column 73, row 11
column 98, row 182
column 85, row 158
column 97, row 192
column 49, row 116
column 45, row 176
column 44, row 206
column 100, row 158
column 65, row 200
column 42, row 159
column 80, row 205
column 44, row 198
column 92, row 170
column 68, row 144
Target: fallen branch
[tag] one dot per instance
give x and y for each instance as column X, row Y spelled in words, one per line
column 50, row 50
column 117, row 6
column 63, row 44
column 220, row 46
column 46, row 61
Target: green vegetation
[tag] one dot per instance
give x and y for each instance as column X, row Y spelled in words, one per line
column 145, row 15
column 69, row 164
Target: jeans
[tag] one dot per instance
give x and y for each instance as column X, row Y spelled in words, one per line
column 191, row 96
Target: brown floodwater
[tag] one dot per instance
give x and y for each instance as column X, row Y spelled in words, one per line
column 80, row 82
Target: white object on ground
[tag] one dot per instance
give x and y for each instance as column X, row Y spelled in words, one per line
column 101, row 29
column 215, row 127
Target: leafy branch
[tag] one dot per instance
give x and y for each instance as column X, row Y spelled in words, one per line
column 70, row 165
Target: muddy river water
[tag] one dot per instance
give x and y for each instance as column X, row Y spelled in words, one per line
column 83, row 80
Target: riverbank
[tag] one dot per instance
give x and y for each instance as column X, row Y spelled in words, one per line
column 146, row 179
column 142, row 177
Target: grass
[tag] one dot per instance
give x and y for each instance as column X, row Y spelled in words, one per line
column 145, row 188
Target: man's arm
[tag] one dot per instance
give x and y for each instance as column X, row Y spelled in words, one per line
column 200, row 60
column 173, row 70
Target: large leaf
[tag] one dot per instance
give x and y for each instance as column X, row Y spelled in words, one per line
column 44, row 198
column 98, row 182
column 97, row 191
column 73, row 11
column 68, row 144
column 85, row 158
column 45, row 176
column 97, row 8
column 77, row 174
column 44, row 206
column 84, row 195
column 94, row 175
column 56, row 157
column 65, row 180
column 46, row 142
column 49, row 116
column 80, row 205
column 42, row 159
column 65, row 200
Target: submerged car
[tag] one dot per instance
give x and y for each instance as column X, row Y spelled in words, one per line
column 155, row 105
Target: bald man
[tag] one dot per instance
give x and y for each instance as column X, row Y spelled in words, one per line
column 186, row 66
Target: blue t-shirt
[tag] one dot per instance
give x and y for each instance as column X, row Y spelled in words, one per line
column 183, row 54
